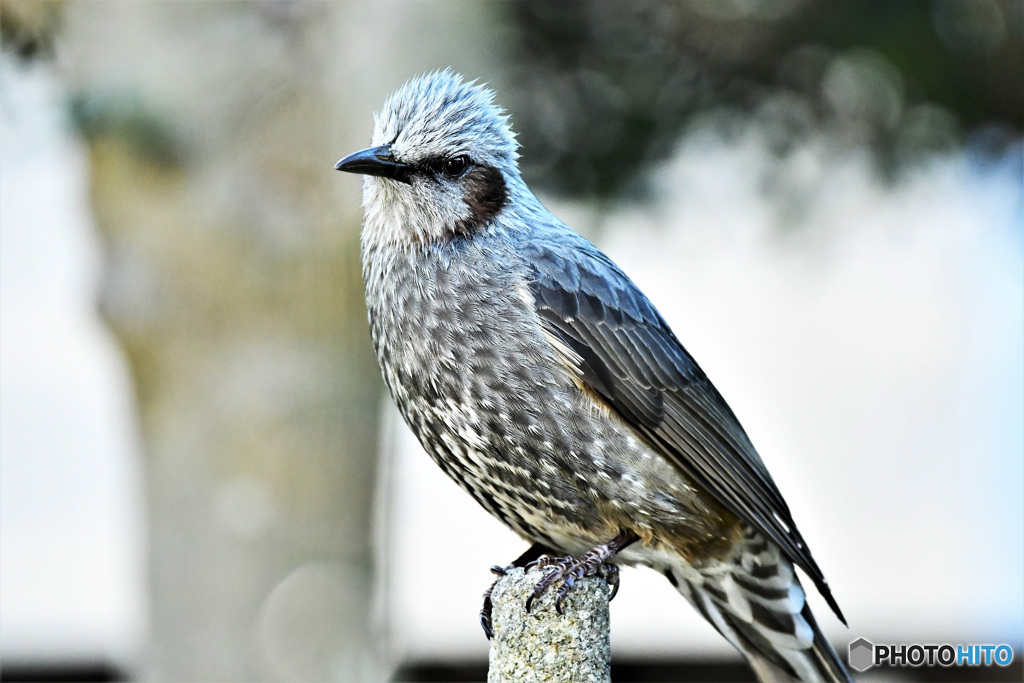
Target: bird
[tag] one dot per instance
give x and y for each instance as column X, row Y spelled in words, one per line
column 540, row 379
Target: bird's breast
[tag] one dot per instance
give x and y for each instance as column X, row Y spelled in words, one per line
column 464, row 355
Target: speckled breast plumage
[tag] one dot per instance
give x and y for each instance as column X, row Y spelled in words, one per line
column 461, row 351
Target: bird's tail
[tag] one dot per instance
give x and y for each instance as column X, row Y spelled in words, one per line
column 755, row 600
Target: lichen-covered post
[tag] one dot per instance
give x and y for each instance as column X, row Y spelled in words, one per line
column 546, row 646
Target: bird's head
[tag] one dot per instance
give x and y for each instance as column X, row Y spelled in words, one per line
column 440, row 165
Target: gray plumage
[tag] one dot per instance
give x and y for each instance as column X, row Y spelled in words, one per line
column 541, row 380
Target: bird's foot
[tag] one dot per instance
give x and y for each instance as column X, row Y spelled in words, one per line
column 533, row 552
column 569, row 570
column 488, row 606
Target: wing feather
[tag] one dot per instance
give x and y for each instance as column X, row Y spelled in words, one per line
column 632, row 360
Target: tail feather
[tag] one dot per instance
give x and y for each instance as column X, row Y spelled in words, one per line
column 756, row 602
column 826, row 657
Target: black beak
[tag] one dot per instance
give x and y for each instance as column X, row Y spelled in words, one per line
column 377, row 161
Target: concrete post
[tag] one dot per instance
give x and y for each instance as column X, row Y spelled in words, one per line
column 543, row 645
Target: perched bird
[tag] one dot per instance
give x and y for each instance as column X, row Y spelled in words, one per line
column 542, row 380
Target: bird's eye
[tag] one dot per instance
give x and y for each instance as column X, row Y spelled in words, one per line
column 455, row 166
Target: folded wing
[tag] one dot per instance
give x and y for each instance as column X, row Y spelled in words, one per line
column 634, row 362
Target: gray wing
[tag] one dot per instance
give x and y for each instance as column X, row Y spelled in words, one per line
column 632, row 360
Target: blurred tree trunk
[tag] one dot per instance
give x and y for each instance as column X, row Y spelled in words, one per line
column 233, row 284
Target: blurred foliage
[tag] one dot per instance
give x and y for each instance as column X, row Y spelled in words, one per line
column 27, row 29
column 604, row 89
column 99, row 113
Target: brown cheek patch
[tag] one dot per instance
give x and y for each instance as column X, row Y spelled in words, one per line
column 486, row 195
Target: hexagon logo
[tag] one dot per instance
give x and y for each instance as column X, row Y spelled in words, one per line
column 862, row 654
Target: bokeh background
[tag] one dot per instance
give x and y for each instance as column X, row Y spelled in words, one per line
column 200, row 476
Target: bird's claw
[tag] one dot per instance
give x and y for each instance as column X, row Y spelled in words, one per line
column 611, row 576
column 488, row 607
column 569, row 570
column 485, row 615
column 532, row 553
